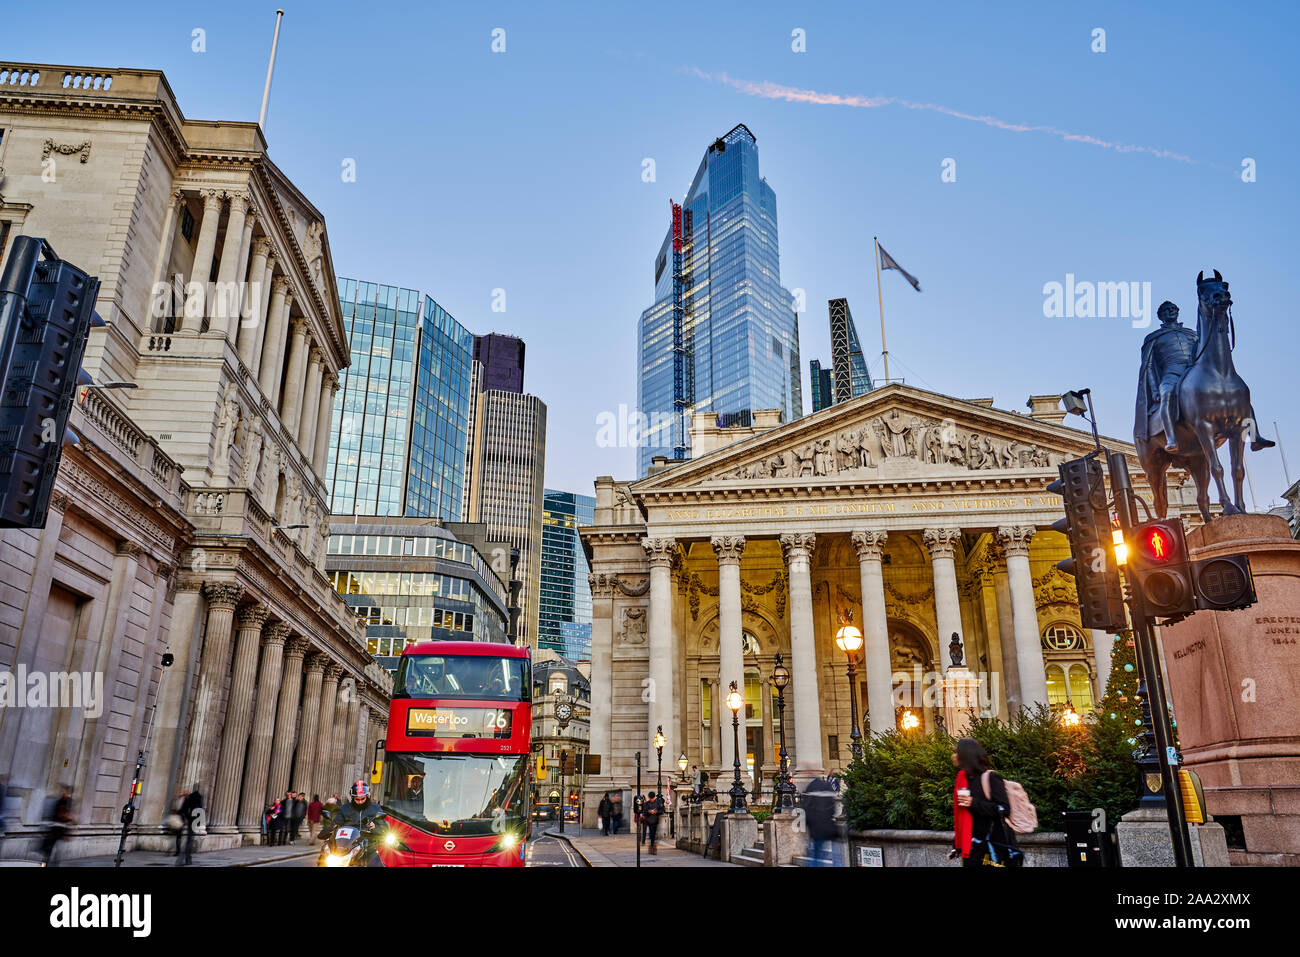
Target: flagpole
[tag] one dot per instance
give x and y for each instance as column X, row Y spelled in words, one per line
column 270, row 68
column 881, row 296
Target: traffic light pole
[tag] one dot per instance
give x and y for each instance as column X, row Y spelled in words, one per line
column 1149, row 665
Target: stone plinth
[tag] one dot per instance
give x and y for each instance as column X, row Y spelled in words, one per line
column 1235, row 678
column 782, row 839
column 961, row 691
column 1144, row 841
column 739, row 832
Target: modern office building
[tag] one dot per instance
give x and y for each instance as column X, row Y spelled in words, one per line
column 564, row 605
column 502, row 358
column 722, row 335
column 848, row 376
column 401, row 419
column 506, row 487
column 417, row 579
column 822, row 383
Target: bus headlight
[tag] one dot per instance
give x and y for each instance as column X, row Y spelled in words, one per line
column 507, row 841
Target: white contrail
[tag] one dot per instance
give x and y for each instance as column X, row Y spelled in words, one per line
column 777, row 91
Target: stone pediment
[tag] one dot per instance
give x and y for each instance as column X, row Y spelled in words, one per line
column 893, row 433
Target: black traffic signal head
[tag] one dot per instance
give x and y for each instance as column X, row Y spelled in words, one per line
column 1158, row 563
column 47, row 307
column 1087, row 525
column 1224, row 583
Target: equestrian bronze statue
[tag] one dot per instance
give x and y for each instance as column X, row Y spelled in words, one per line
column 1190, row 401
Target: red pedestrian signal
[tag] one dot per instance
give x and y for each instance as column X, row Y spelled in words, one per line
column 1158, row 563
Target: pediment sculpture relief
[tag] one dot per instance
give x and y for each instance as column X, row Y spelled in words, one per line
column 894, row 435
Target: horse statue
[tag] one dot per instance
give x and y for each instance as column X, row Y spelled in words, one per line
column 1188, row 383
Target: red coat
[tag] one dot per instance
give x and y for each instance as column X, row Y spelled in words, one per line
column 961, row 819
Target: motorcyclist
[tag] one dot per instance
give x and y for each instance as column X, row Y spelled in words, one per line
column 359, row 811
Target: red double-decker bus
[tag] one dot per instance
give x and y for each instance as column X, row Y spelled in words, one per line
column 455, row 780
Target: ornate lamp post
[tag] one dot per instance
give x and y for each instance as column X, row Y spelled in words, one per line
column 735, row 702
column 660, row 740
column 681, row 765
column 784, row 784
column 849, row 639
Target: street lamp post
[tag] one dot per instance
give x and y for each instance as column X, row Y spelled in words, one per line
column 784, row 785
column 735, row 702
column 849, row 639
column 681, row 765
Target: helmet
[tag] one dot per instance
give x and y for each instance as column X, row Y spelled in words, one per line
column 360, row 791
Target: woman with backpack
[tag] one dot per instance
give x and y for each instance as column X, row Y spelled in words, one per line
column 992, row 838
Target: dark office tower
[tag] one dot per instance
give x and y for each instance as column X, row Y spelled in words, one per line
column 722, row 334
column 823, row 386
column 850, row 369
column 503, row 362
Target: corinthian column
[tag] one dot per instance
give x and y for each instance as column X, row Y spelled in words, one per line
column 602, row 674
column 251, row 307
column 310, row 406
column 342, row 708
column 661, row 552
column 942, row 543
column 322, row 776
column 259, row 741
column 286, row 717
column 241, row 273
column 1014, row 540
column 291, row 408
column 165, row 245
column 324, row 422
column 204, row 250
column 870, row 545
column 225, row 311
column 205, row 725
column 309, row 733
column 731, row 650
column 268, row 373
column 234, row 735
column 798, row 549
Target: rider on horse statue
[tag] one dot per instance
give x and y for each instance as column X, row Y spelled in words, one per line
column 1167, row 353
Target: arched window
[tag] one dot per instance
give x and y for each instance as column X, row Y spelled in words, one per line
column 559, row 684
column 1066, row 652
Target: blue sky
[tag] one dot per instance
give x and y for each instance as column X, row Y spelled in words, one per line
column 522, row 170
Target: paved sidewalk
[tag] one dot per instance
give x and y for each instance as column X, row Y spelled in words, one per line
column 619, row 850
column 249, row 856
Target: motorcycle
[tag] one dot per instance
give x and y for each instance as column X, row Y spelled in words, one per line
column 350, row 846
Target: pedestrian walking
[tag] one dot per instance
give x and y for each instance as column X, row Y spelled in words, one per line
column 273, row 822
column 654, row 810
column 992, row 842
column 638, row 817
column 605, row 811
column 314, row 811
column 617, row 801
column 961, row 816
column 818, row 803
column 60, row 820
column 190, row 810
column 298, row 810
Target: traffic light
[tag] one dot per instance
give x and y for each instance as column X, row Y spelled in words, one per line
column 1159, row 564
column 1087, row 525
column 1224, row 583
column 46, row 309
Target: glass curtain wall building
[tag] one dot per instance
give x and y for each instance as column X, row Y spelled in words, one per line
column 722, row 334
column 401, row 417
column 564, row 608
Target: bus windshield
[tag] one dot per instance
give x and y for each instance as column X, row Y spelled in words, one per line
column 461, row 676
column 450, row 793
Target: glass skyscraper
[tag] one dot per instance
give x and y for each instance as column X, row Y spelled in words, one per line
column 401, row 417
column 564, row 608
column 722, row 334
column 848, row 376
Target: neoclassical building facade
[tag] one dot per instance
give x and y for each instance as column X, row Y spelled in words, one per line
column 918, row 516
column 223, row 320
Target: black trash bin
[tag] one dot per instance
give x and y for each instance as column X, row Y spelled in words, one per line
column 1084, row 846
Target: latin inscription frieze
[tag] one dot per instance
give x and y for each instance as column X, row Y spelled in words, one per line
column 986, row 503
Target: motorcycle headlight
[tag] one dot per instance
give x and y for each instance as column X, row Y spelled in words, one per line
column 336, row 860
